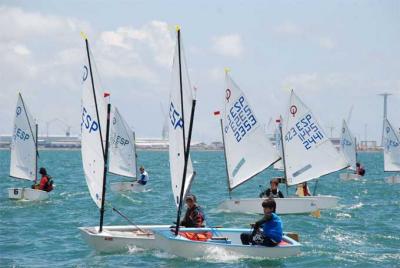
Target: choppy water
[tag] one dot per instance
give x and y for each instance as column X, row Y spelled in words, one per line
column 363, row 231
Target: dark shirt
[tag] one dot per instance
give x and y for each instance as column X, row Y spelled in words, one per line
column 193, row 217
column 272, row 193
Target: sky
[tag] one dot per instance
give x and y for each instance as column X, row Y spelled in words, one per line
column 336, row 55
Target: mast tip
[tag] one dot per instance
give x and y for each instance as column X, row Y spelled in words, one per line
column 227, row 70
column 84, row 36
column 177, row 28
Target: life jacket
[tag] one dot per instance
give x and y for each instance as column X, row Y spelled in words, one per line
column 273, row 228
column 203, row 236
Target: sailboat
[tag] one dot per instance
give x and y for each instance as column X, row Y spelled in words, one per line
column 247, row 153
column 24, row 154
column 308, row 152
column 391, row 152
column 123, row 154
column 182, row 106
column 95, row 127
column 278, row 146
column 348, row 149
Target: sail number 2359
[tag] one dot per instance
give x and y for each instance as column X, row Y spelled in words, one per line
column 240, row 119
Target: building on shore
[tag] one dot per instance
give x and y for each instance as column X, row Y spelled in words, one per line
column 74, row 142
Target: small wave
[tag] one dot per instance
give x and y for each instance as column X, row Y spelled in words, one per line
column 357, row 206
column 131, row 199
column 164, row 255
column 134, row 249
column 343, row 216
column 217, row 254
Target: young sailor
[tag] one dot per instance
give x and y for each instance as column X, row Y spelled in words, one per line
column 273, row 191
column 194, row 216
column 271, row 228
column 360, row 169
column 144, row 177
column 46, row 182
column 302, row 190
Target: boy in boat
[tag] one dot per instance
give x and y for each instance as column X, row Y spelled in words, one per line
column 194, row 216
column 360, row 169
column 144, row 177
column 303, row 190
column 271, row 232
column 273, row 191
column 46, row 183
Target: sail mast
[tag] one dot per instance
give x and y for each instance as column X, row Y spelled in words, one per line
column 283, row 154
column 134, row 147
column 105, row 168
column 186, row 147
column 104, row 150
column 226, row 163
column 36, row 150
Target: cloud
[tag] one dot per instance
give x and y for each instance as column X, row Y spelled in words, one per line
column 292, row 30
column 21, row 50
column 289, row 28
column 326, row 42
column 42, row 57
column 228, row 45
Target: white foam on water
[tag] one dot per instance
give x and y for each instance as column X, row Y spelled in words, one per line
column 357, row 206
column 131, row 199
column 217, row 254
column 164, row 255
column 343, row 216
column 134, row 249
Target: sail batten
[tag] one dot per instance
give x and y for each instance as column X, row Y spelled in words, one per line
column 309, row 153
column 23, row 144
column 247, row 148
column 391, row 152
column 122, row 158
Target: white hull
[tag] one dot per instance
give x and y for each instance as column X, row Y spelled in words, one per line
column 232, row 247
column 392, row 179
column 349, row 176
column 127, row 186
column 27, row 194
column 121, row 238
column 325, row 201
column 291, row 205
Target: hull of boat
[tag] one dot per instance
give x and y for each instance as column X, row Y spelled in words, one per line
column 121, row 238
column 291, row 205
column 392, row 179
column 229, row 246
column 325, row 201
column 349, row 176
column 127, row 186
column 27, row 194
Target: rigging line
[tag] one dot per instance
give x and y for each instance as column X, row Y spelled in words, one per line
column 127, row 219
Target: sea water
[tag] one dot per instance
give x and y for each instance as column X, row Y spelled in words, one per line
column 363, row 231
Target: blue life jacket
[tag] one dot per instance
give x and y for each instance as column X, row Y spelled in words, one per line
column 273, row 228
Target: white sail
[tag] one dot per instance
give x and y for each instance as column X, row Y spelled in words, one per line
column 391, row 153
column 348, row 146
column 122, row 157
column 176, row 125
column 23, row 144
column 247, row 148
column 309, row 153
column 93, row 130
column 278, row 147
